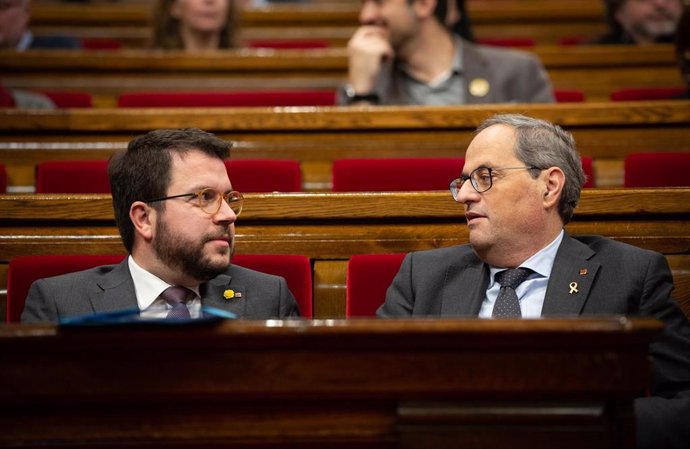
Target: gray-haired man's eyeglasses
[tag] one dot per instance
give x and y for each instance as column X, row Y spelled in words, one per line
column 481, row 179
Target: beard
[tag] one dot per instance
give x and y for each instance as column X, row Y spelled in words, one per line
column 188, row 256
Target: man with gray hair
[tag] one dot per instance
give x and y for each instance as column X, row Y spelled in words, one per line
column 520, row 185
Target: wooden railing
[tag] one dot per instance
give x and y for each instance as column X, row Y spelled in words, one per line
column 607, row 132
column 594, row 70
column 413, row 384
column 329, row 228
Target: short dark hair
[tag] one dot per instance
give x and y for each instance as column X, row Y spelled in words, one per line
column 541, row 144
column 143, row 171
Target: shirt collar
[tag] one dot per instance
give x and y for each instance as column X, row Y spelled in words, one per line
column 25, row 41
column 541, row 262
column 147, row 286
column 455, row 68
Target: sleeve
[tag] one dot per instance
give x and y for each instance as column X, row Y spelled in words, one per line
column 537, row 84
column 287, row 303
column 662, row 418
column 40, row 305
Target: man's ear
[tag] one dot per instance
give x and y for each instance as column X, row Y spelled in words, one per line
column 554, row 181
column 144, row 219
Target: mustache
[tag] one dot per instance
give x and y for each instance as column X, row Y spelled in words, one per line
column 219, row 236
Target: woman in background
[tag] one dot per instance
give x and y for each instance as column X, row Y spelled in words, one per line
column 195, row 25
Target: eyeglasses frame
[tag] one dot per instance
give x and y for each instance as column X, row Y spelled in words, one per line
column 456, row 184
column 224, row 196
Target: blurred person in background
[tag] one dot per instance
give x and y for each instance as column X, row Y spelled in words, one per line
column 641, row 22
column 15, row 16
column 195, row 25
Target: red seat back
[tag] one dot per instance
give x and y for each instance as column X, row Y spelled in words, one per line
column 66, row 99
column 268, row 98
column 657, row 170
column 264, row 175
column 569, row 96
column 296, row 270
column 516, row 41
column 398, row 174
column 646, row 93
column 24, row 270
column 368, row 278
column 3, row 179
column 72, row 177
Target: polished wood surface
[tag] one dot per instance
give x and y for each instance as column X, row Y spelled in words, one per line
column 544, row 21
column 607, row 132
column 330, row 227
column 595, row 70
column 356, row 383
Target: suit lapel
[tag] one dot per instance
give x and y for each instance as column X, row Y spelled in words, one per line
column 479, row 88
column 571, row 279
column 220, row 294
column 115, row 291
column 464, row 287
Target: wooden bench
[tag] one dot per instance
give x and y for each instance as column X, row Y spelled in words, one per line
column 316, row 136
column 128, row 22
column 594, row 70
column 330, row 227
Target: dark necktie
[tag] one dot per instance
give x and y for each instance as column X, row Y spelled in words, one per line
column 177, row 298
column 507, row 303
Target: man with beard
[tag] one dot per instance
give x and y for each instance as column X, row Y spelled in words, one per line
column 641, row 22
column 175, row 210
column 405, row 54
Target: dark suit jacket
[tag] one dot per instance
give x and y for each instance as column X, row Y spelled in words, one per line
column 619, row 279
column 514, row 76
column 110, row 287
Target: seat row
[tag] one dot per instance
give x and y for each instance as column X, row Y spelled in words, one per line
column 284, row 98
column 352, row 175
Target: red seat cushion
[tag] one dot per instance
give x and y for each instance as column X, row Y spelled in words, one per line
column 657, row 170
column 24, row 270
column 646, row 93
column 3, row 179
column 66, row 99
column 267, row 98
column 72, row 177
column 368, row 278
column 264, row 175
column 569, row 96
column 296, row 270
column 588, row 168
column 397, row 174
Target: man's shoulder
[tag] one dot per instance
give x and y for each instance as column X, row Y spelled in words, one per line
column 241, row 273
column 93, row 273
column 443, row 255
column 510, row 55
column 613, row 248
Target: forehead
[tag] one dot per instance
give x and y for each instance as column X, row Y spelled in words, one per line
column 196, row 169
column 492, row 146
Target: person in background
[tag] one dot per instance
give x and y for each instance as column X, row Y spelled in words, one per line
column 520, row 185
column 403, row 53
column 175, row 210
column 15, row 33
column 641, row 22
column 195, row 25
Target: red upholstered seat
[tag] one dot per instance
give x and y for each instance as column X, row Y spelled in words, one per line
column 24, row 270
column 646, row 93
column 72, row 177
column 368, row 278
column 588, row 168
column 3, row 178
column 516, row 41
column 296, row 270
column 6, row 98
column 569, row 96
column 264, row 175
column 98, row 43
column 273, row 98
column 66, row 99
column 657, row 170
column 397, row 174
column 287, row 44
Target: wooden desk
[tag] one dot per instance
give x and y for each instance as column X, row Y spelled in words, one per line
column 329, row 228
column 595, row 70
column 607, row 132
column 544, row 21
column 363, row 383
